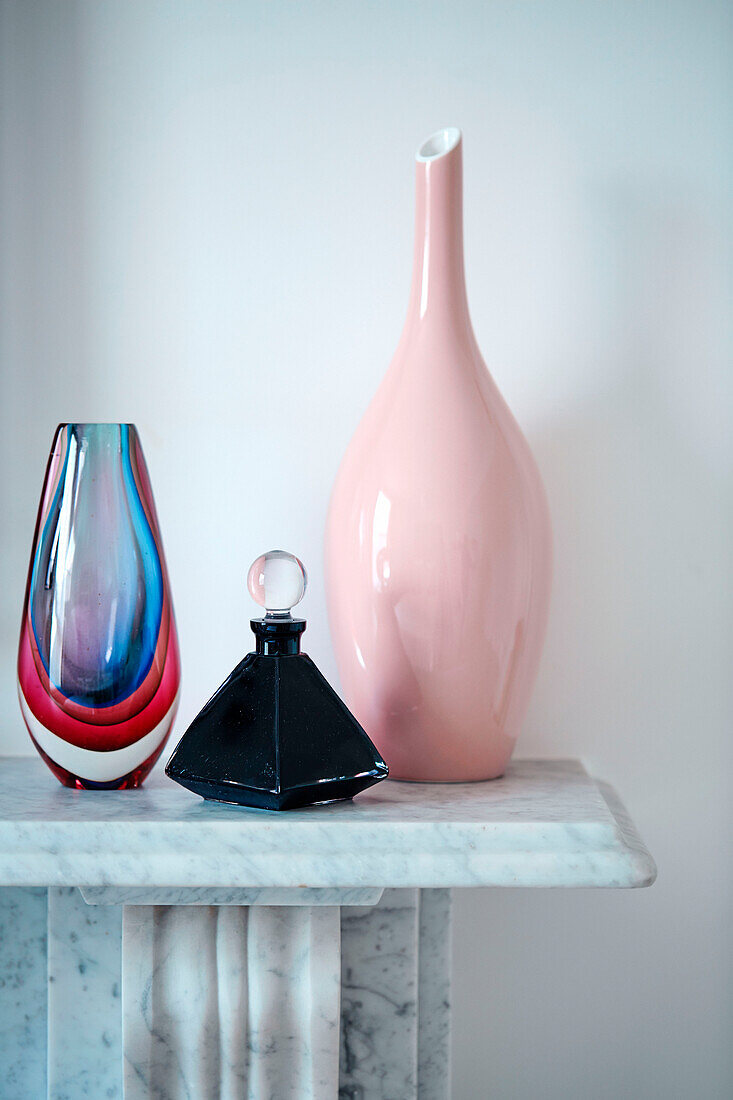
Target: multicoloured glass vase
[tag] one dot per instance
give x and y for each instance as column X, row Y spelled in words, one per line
column 98, row 667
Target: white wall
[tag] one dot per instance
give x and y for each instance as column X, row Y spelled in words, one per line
column 207, row 221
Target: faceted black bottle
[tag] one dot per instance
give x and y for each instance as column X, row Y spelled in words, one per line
column 276, row 735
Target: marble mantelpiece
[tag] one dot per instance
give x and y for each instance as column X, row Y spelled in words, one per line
column 546, row 823
column 197, row 949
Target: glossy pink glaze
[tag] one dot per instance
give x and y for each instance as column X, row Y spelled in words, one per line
column 438, row 539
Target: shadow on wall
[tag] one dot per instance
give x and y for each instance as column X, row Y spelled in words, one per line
column 637, row 479
column 624, row 993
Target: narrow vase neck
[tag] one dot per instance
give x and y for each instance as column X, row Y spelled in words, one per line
column 438, row 294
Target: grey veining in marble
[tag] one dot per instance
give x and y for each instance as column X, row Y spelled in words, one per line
column 218, row 895
column 546, row 823
column 433, row 995
column 23, row 988
column 231, row 1003
column 379, row 1000
column 84, row 1017
column 395, row 999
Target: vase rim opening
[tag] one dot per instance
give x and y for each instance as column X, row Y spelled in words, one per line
column 438, row 144
column 97, row 424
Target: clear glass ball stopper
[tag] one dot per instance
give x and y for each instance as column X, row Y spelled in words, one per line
column 277, row 581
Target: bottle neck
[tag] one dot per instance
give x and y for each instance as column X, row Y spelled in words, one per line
column 438, row 294
column 277, row 637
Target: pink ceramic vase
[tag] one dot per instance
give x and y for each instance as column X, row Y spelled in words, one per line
column 438, row 540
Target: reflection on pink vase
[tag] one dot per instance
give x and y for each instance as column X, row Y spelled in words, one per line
column 438, row 540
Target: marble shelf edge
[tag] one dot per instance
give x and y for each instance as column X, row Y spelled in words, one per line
column 622, row 862
column 578, row 835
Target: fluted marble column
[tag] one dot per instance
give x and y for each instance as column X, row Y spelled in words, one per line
column 249, row 1002
column 231, row 1002
column 225, row 1002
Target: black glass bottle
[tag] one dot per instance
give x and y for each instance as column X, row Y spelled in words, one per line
column 276, row 735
